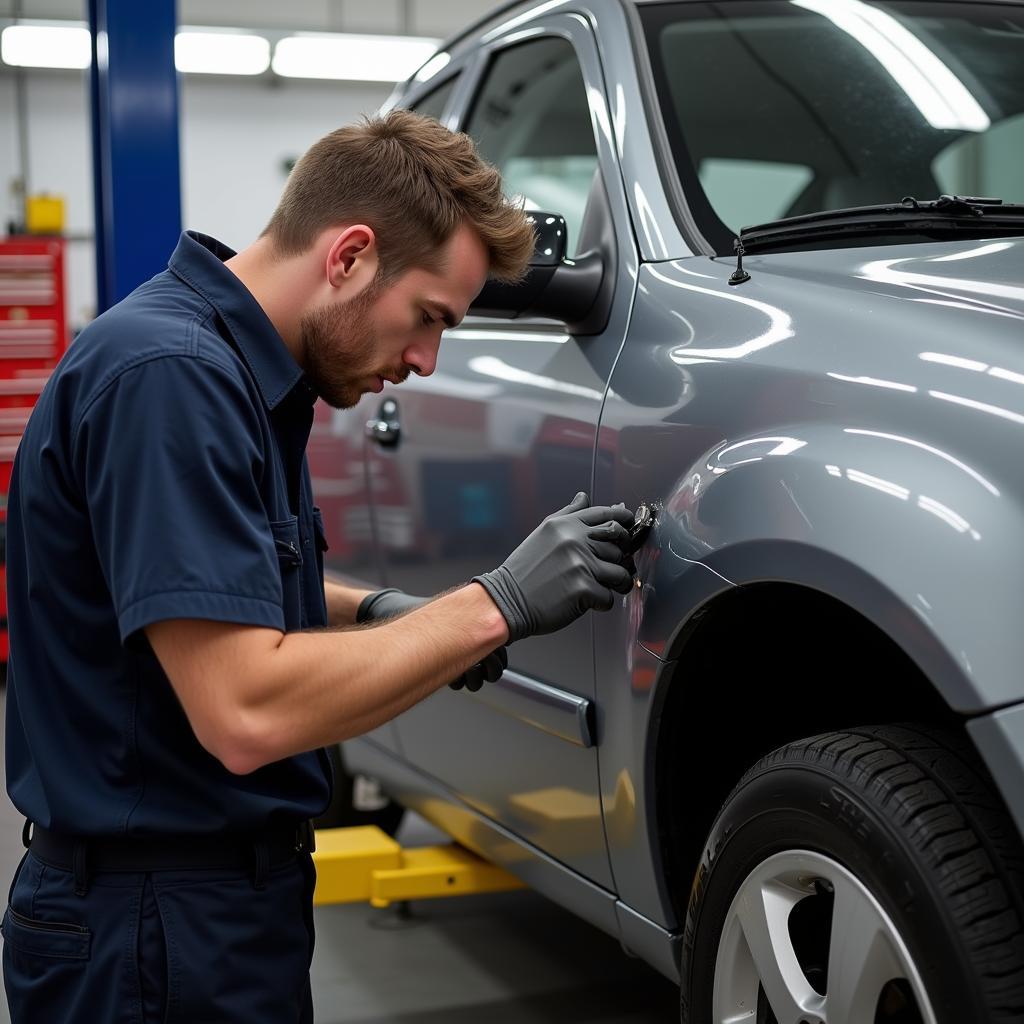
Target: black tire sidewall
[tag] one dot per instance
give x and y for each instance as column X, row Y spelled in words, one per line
column 799, row 808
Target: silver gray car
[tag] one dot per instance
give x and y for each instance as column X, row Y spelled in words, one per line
column 778, row 297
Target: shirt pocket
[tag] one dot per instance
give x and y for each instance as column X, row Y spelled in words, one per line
column 45, row 938
column 289, row 562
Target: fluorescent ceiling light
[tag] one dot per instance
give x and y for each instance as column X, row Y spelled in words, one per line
column 221, row 53
column 45, row 46
column 351, row 57
column 226, row 52
column 943, row 100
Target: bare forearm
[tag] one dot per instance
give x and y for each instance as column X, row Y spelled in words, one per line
column 298, row 691
column 342, row 603
column 254, row 695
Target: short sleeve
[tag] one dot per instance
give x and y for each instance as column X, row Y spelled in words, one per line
column 170, row 457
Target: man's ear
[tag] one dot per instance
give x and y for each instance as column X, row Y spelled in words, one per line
column 352, row 258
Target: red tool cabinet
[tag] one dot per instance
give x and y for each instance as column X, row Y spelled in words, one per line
column 33, row 337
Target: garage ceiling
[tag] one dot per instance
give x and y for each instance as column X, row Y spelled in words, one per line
column 418, row 17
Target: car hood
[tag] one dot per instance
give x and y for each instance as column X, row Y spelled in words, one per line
column 918, row 315
column 984, row 276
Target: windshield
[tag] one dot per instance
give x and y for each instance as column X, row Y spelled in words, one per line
column 774, row 109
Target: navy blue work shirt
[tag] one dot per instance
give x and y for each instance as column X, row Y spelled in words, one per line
column 162, row 475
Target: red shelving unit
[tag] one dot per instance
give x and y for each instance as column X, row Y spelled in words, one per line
column 33, row 337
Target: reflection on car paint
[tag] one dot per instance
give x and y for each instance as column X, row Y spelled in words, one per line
column 883, row 270
column 973, row 473
column 874, row 382
column 492, row 366
column 653, row 238
column 433, row 66
column 780, row 324
column 722, row 460
column 969, row 254
column 973, row 403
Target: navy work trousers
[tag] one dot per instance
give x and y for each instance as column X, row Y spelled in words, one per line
column 202, row 947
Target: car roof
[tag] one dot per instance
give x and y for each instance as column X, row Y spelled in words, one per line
column 484, row 20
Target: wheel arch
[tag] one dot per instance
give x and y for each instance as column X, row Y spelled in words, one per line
column 844, row 676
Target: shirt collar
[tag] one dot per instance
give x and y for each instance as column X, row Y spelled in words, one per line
column 199, row 261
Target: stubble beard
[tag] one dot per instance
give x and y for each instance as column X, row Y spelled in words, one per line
column 340, row 344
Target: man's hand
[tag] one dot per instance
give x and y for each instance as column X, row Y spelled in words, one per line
column 570, row 563
column 385, row 604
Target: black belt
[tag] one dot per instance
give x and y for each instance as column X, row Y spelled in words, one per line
column 89, row 855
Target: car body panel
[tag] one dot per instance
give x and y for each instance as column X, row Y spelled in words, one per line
column 441, row 806
column 879, row 448
column 642, row 144
column 840, row 421
column 999, row 738
column 501, row 435
column 831, row 471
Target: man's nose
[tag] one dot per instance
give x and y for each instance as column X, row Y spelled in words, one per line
column 421, row 359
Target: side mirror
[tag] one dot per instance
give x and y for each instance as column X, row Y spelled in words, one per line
column 553, row 287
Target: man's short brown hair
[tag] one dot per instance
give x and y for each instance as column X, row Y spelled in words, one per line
column 414, row 182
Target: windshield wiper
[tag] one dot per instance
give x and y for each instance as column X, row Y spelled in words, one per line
column 943, row 218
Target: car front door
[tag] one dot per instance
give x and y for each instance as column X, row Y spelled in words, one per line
column 501, row 435
column 341, row 474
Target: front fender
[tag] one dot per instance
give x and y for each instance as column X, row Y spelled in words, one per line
column 822, row 427
column 909, row 536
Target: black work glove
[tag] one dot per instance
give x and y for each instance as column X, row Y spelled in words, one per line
column 570, row 563
column 384, row 604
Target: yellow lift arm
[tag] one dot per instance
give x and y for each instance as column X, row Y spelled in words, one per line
column 363, row 863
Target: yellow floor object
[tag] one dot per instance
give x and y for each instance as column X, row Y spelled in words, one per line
column 356, row 865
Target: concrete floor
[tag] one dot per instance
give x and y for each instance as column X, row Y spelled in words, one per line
column 513, row 958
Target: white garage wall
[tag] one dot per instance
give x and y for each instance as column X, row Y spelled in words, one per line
column 235, row 133
column 59, row 162
column 235, row 137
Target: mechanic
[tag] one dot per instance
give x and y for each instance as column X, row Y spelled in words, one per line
column 177, row 662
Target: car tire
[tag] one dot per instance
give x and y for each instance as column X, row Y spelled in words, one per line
column 870, row 876
column 357, row 800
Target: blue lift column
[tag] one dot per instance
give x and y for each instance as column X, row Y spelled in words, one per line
column 135, row 142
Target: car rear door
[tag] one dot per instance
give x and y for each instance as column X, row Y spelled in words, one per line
column 504, row 433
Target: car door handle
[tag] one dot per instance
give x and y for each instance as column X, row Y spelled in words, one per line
column 385, row 429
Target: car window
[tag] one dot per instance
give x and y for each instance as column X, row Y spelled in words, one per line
column 878, row 100
column 532, row 121
column 984, row 165
column 433, row 104
column 750, row 191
